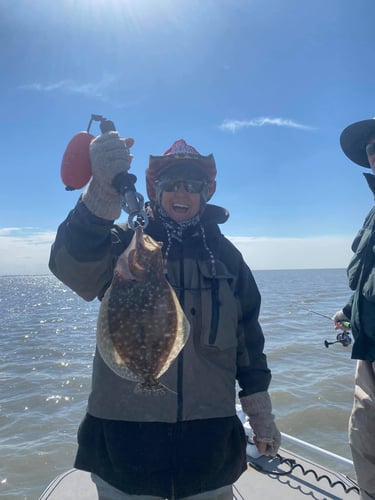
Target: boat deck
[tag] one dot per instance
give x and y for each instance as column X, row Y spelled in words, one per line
column 285, row 477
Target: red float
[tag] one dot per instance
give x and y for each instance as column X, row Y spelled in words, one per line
column 76, row 165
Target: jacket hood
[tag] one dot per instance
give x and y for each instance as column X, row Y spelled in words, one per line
column 215, row 214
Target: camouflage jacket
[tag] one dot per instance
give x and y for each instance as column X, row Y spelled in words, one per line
column 226, row 341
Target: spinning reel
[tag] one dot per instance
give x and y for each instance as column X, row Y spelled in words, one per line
column 343, row 338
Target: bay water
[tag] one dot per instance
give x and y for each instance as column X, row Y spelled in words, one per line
column 47, row 342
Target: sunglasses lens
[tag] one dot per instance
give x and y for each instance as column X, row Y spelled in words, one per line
column 370, row 149
column 191, row 186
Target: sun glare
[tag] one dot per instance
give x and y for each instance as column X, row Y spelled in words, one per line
column 133, row 11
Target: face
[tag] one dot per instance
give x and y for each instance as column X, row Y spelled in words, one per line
column 371, row 154
column 180, row 204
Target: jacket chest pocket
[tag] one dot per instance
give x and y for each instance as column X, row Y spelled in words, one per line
column 218, row 308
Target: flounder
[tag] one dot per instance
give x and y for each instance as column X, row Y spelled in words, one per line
column 141, row 326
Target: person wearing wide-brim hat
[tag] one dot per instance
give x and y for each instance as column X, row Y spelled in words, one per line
column 358, row 143
column 187, row 443
column 356, row 140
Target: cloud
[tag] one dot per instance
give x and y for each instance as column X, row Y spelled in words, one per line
column 26, row 251
column 234, row 125
column 6, row 231
column 88, row 89
column 320, row 252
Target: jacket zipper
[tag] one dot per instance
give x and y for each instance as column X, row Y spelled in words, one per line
column 180, row 361
column 214, row 312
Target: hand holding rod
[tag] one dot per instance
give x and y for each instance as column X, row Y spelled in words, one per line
column 343, row 338
column 346, row 324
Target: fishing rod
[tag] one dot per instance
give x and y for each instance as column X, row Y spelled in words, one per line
column 343, row 337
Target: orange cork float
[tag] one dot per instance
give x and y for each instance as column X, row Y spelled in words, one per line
column 76, row 165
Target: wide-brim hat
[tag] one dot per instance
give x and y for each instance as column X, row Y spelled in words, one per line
column 180, row 153
column 354, row 139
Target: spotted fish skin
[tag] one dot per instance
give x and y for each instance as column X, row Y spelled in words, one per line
column 141, row 325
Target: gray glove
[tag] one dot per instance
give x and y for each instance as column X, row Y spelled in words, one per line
column 110, row 156
column 258, row 408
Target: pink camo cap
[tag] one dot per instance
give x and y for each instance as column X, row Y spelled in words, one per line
column 180, row 147
column 182, row 152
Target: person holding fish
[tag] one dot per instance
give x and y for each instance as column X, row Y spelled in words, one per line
column 358, row 143
column 177, row 332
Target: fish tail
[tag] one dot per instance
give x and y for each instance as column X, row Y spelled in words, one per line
column 152, row 389
column 149, row 389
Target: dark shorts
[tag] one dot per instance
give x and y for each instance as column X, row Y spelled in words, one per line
column 159, row 459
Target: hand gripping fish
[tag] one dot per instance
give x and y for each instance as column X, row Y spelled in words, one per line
column 141, row 326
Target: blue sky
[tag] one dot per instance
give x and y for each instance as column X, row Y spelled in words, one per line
column 267, row 86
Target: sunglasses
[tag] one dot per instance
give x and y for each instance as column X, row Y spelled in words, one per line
column 370, row 149
column 190, row 185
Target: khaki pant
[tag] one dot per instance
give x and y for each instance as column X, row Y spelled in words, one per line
column 362, row 428
column 108, row 492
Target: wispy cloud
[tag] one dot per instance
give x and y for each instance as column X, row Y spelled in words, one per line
column 89, row 89
column 25, row 233
column 235, row 125
column 7, row 231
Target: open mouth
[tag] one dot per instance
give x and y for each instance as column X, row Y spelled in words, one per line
column 180, row 208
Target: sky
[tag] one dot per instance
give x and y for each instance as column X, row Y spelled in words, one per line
column 267, row 86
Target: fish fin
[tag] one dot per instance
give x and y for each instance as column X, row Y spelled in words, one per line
column 182, row 334
column 106, row 348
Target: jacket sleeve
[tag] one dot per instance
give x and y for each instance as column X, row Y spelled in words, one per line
column 85, row 251
column 347, row 309
column 253, row 374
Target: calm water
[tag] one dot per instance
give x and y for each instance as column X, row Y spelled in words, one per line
column 47, row 337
